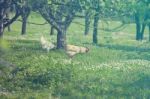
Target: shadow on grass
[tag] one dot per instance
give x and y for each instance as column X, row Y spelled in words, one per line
column 139, row 88
column 131, row 52
column 126, row 48
column 121, row 47
column 26, row 45
column 125, row 51
column 142, row 83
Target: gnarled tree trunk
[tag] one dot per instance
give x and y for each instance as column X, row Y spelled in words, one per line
column 52, row 30
column 138, row 26
column 2, row 14
column 96, row 20
column 24, row 25
column 146, row 17
column 61, row 39
column 25, row 15
column 87, row 23
column 142, row 31
column 1, row 28
column 4, row 9
column 7, row 16
column 149, row 31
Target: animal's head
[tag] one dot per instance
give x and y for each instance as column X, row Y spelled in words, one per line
column 84, row 49
column 87, row 49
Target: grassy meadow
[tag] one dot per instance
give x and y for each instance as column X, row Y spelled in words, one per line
column 117, row 68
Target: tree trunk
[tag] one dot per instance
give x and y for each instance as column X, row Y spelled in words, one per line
column 52, row 30
column 61, row 39
column 142, row 31
column 7, row 16
column 146, row 17
column 87, row 23
column 9, row 29
column 1, row 22
column 138, row 26
column 24, row 25
column 149, row 31
column 96, row 19
column 25, row 15
column 1, row 28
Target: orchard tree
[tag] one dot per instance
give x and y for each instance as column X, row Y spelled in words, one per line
column 141, row 12
column 59, row 14
column 125, row 10
column 98, row 8
column 88, row 19
column 52, row 30
column 25, row 12
column 93, row 9
column 5, row 5
column 88, row 11
column 146, row 19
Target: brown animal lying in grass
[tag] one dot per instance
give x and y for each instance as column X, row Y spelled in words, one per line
column 73, row 50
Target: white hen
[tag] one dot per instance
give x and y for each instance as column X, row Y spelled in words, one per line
column 46, row 45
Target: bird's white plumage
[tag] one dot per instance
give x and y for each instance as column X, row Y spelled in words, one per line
column 46, row 44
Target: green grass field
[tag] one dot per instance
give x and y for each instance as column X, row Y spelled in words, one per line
column 117, row 68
